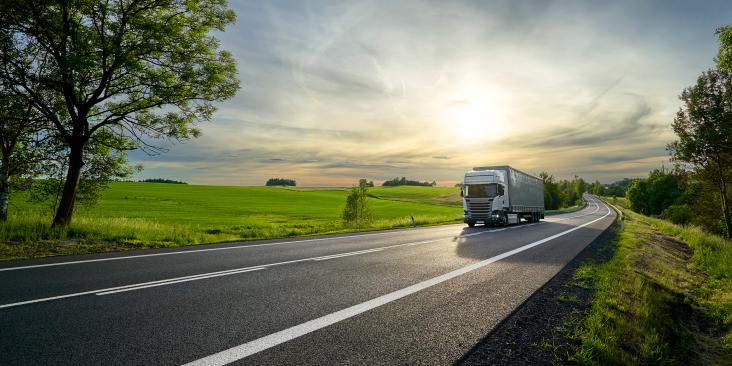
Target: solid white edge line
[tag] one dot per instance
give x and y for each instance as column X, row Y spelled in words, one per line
column 228, row 248
column 247, row 349
column 597, row 208
column 215, row 249
column 200, row 276
column 167, row 281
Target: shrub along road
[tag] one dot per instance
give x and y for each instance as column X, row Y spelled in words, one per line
column 422, row 295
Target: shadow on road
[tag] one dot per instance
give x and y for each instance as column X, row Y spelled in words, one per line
column 485, row 242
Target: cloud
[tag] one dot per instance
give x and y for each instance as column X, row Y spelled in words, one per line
column 336, row 91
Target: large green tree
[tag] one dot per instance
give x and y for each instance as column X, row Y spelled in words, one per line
column 20, row 127
column 137, row 69
column 703, row 126
column 553, row 197
column 724, row 57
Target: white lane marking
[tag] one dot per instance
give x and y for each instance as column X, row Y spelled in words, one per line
column 231, row 247
column 597, row 208
column 165, row 281
column 247, row 349
column 201, row 276
column 177, row 281
column 346, row 254
column 245, row 246
column 169, row 281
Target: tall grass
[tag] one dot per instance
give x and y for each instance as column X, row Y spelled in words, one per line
column 659, row 301
column 29, row 235
column 712, row 254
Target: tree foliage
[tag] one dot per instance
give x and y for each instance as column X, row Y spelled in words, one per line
column 407, row 182
column 138, row 70
column 357, row 211
column 103, row 165
column 617, row 188
column 682, row 197
column 703, row 126
column 162, row 180
column 562, row 193
column 653, row 195
column 280, row 182
column 724, row 57
column 20, row 136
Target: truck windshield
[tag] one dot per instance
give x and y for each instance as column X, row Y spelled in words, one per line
column 484, row 190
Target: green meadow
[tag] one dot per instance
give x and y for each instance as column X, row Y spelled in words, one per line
column 150, row 215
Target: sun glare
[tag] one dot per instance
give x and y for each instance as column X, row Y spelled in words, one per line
column 476, row 119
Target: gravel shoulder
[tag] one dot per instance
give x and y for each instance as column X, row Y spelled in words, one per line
column 539, row 331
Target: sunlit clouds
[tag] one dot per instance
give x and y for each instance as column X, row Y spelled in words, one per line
column 336, row 91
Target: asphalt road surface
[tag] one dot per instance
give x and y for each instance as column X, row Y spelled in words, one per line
column 414, row 296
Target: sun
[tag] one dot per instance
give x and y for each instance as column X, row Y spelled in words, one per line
column 475, row 119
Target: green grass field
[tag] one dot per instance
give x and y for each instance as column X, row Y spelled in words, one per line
column 143, row 215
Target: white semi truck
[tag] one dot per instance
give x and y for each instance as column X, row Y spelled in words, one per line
column 501, row 195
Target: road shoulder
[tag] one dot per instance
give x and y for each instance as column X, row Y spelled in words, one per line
column 539, row 331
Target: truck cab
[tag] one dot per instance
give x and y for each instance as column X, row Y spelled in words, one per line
column 501, row 195
column 485, row 197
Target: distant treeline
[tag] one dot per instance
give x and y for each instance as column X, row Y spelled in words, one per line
column 566, row 193
column 280, row 182
column 563, row 193
column 682, row 197
column 618, row 188
column 406, row 182
column 162, row 180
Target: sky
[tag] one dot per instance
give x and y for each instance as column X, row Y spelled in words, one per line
column 333, row 91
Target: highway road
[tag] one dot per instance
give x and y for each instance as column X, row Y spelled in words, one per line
column 413, row 296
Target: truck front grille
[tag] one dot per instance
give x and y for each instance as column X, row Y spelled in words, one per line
column 480, row 210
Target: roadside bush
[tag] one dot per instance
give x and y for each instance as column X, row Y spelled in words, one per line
column 652, row 195
column 357, row 211
column 678, row 214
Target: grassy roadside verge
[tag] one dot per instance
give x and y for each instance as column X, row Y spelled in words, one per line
column 664, row 298
column 149, row 215
column 31, row 237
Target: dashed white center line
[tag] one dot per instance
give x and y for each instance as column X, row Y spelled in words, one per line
column 170, row 281
column 247, row 349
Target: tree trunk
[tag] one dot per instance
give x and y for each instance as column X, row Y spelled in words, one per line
column 4, row 187
column 68, row 196
column 723, row 193
column 725, row 209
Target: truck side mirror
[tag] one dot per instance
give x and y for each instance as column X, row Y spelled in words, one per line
column 462, row 194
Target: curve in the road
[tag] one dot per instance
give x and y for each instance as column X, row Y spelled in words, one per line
column 247, row 349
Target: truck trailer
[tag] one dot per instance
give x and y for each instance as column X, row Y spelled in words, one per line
column 501, row 195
